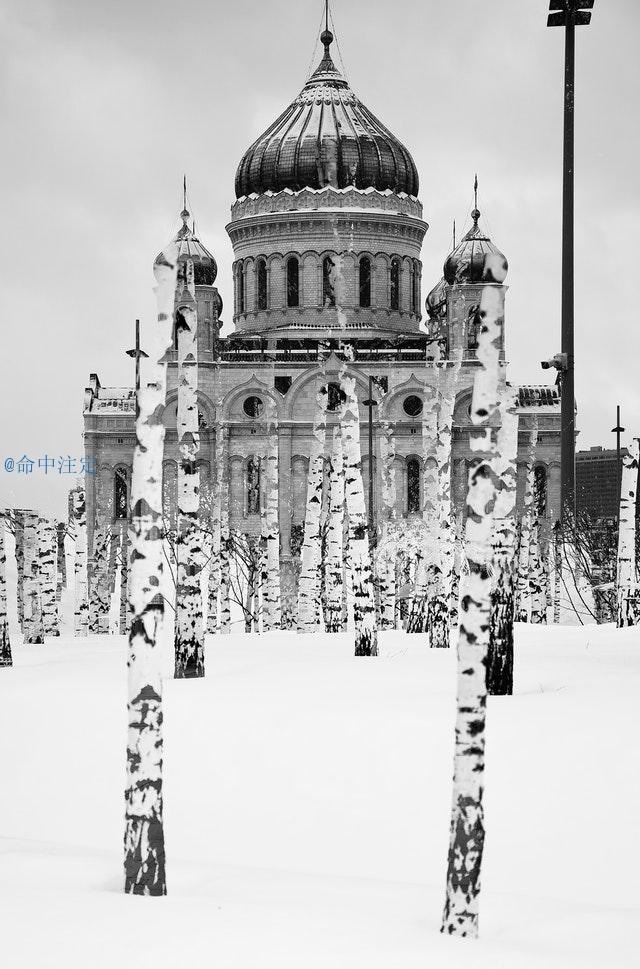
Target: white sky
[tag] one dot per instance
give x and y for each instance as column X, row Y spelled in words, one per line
column 103, row 106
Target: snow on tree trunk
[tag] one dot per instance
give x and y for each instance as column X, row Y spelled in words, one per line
column 225, row 562
column 500, row 656
column 19, row 540
column 557, row 572
column 334, row 563
column 309, row 584
column 444, row 530
column 144, row 855
column 428, row 545
column 272, row 616
column 360, row 566
column 627, row 590
column 48, row 571
column 189, row 631
column 5, row 642
column 523, row 595
column 33, row 628
column 467, row 827
column 81, row 610
column 62, row 558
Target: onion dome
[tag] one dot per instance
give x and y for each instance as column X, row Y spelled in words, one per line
column 475, row 259
column 326, row 137
column 205, row 268
column 436, row 301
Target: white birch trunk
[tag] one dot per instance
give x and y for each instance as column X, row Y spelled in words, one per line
column 440, row 610
column 216, row 532
column 467, row 826
column 225, row 560
column 19, row 540
column 189, row 630
column 387, row 549
column 627, row 590
column 272, row 617
column 360, row 566
column 81, row 610
column 309, row 585
column 144, row 855
column 537, row 576
column 428, row 546
column 124, row 578
column 500, row 657
column 48, row 570
column 523, row 595
column 5, row 642
column 334, row 564
column 33, row 628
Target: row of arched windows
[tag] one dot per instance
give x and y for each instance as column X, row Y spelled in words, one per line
column 332, row 284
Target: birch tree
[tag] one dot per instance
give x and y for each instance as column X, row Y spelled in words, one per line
column 215, row 570
column 523, row 595
column 225, row 535
column 18, row 520
column 427, row 551
column 467, row 820
column 334, row 565
column 5, row 641
column 360, row 567
column 48, row 569
column 444, row 526
column 500, row 655
column 272, row 618
column 309, row 584
column 387, row 548
column 124, row 579
column 627, row 589
column 189, row 632
column 33, row 629
column 81, row 610
column 144, row 854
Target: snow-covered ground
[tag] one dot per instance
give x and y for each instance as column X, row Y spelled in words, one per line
column 307, row 798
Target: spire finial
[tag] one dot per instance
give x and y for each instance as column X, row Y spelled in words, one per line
column 326, row 36
column 184, row 215
column 475, row 215
column 454, row 235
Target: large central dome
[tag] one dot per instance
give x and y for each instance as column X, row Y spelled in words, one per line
column 326, row 137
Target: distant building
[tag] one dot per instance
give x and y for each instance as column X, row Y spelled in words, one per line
column 597, row 482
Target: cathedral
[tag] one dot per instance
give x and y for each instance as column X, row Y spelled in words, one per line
column 327, row 229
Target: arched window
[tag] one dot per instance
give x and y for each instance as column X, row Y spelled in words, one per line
column 473, row 327
column 261, row 284
column 394, row 288
column 293, row 282
column 413, row 485
column 365, row 281
column 415, row 288
column 120, row 494
column 328, row 292
column 241, row 288
column 253, row 486
column 540, row 490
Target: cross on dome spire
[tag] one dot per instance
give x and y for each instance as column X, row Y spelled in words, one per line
column 475, row 215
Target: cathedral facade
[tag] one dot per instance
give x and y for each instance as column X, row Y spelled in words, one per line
column 327, row 230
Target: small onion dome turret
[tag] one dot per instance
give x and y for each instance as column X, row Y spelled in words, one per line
column 436, row 301
column 326, row 137
column 205, row 268
column 475, row 259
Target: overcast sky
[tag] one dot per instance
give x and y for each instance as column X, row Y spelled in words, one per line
column 105, row 104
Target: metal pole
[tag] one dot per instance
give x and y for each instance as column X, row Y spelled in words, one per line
column 568, row 437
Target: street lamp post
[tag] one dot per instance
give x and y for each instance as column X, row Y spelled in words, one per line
column 618, row 430
column 568, row 14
